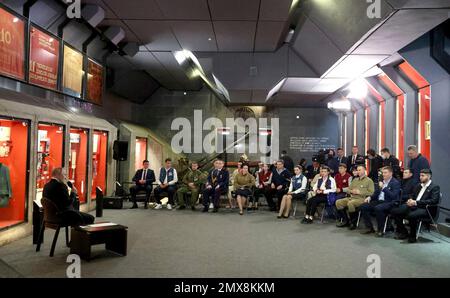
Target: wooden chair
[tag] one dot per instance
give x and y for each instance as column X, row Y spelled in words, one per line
column 52, row 220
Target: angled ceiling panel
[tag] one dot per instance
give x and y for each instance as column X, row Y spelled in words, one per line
column 245, row 10
column 16, row 5
column 401, row 29
column 313, row 46
column 259, row 96
column 274, row 10
column 44, row 13
column 297, row 67
column 97, row 49
column 405, row 4
column 195, row 35
column 354, row 65
column 109, row 14
column 171, row 65
column 129, row 35
column 240, row 96
column 116, row 61
column 233, row 70
column 267, row 35
column 344, row 22
column 235, row 36
column 76, row 33
column 134, row 85
column 271, row 68
column 184, row 9
column 135, row 9
column 155, row 35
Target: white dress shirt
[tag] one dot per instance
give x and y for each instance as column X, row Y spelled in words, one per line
column 422, row 191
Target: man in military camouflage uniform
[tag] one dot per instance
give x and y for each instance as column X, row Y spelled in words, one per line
column 192, row 182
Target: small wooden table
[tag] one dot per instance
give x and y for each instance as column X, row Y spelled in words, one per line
column 113, row 236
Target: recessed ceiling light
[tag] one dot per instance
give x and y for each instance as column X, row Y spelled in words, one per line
column 184, row 93
column 298, row 117
column 210, row 39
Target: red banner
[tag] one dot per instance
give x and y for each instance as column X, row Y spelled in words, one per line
column 95, row 82
column 44, row 56
column 12, row 45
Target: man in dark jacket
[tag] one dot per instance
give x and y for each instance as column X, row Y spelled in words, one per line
column 143, row 180
column 341, row 157
column 288, row 162
column 355, row 159
column 217, row 184
column 313, row 170
column 57, row 191
column 375, row 163
column 417, row 162
column 281, row 178
column 425, row 199
column 391, row 161
column 408, row 185
column 387, row 194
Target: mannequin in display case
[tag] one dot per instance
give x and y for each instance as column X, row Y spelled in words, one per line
column 5, row 186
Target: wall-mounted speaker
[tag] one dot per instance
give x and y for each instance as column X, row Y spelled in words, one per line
column 120, row 150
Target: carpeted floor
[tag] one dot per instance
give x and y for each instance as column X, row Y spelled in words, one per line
column 164, row 243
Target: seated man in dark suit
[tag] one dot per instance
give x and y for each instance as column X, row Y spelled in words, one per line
column 384, row 199
column 355, row 159
column 408, row 185
column 217, row 184
column 425, row 194
column 143, row 180
column 57, row 191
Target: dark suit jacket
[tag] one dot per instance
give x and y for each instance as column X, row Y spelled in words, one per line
column 360, row 160
column 391, row 192
column 431, row 195
column 148, row 180
column 343, row 160
column 223, row 179
column 408, row 187
column 58, row 193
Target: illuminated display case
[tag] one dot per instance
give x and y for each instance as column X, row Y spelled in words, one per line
column 99, row 160
column 14, row 143
column 50, row 153
column 78, row 160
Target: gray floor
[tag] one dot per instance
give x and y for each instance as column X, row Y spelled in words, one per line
column 185, row 244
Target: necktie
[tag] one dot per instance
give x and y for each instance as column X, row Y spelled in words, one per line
column 144, row 174
column 354, row 159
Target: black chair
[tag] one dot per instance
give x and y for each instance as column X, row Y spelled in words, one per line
column 53, row 220
column 430, row 219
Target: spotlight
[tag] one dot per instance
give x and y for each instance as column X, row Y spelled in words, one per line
column 358, row 89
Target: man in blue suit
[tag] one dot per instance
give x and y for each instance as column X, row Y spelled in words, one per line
column 217, row 184
column 143, row 180
column 385, row 198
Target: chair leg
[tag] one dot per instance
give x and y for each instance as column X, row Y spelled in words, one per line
column 418, row 230
column 295, row 208
column 55, row 238
column 323, row 214
column 41, row 236
column 67, row 237
column 385, row 224
column 359, row 218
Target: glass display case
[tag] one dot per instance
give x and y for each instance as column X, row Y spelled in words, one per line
column 99, row 160
column 14, row 145
column 78, row 160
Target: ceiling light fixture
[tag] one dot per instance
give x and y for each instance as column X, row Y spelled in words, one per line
column 340, row 105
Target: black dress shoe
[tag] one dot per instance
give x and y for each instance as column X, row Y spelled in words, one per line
column 368, row 232
column 380, row 235
column 279, row 217
column 181, row 207
column 146, row 206
column 193, row 208
column 205, row 210
column 135, row 206
column 310, row 221
column 401, row 237
column 412, row 240
column 215, row 210
column 352, row 227
column 342, row 224
column 304, row 220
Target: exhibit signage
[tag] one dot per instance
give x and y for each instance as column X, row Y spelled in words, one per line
column 44, row 57
column 72, row 72
column 12, row 45
column 94, row 82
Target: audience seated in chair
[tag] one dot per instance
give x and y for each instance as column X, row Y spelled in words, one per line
column 192, row 182
column 423, row 204
column 263, row 184
column 343, row 180
column 216, row 185
column 243, row 185
column 324, row 187
column 360, row 188
column 143, row 180
column 281, row 178
column 408, row 185
column 385, row 198
column 296, row 191
column 167, row 184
